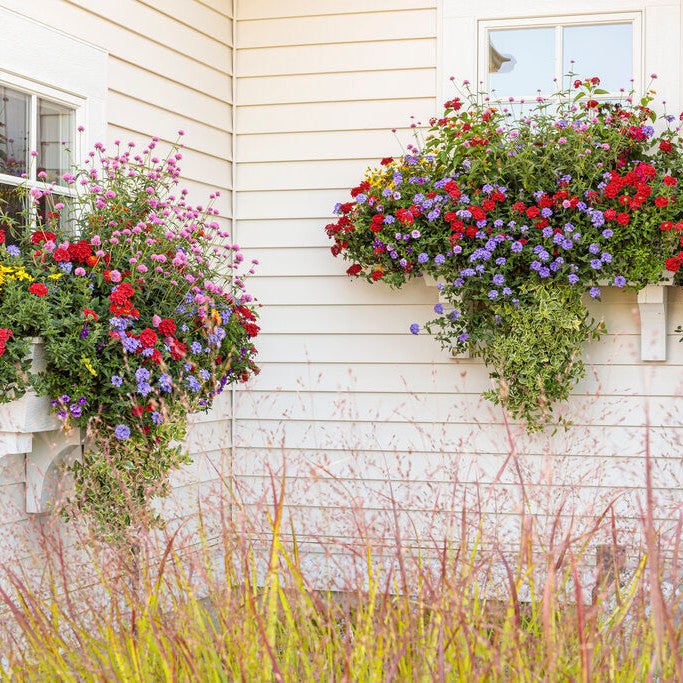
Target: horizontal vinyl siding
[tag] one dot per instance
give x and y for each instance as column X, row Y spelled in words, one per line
column 356, row 411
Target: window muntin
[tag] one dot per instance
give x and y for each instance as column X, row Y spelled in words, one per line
column 517, row 58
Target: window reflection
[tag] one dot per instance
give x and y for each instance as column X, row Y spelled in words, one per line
column 55, row 139
column 521, row 60
column 604, row 50
column 14, row 140
column 11, row 209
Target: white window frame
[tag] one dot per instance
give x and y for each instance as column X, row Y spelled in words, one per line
column 558, row 22
column 660, row 46
column 38, row 91
column 43, row 62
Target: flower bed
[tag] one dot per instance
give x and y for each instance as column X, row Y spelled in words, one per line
column 518, row 217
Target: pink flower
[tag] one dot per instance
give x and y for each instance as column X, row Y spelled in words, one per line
column 142, row 268
column 115, row 276
column 110, row 194
column 79, row 271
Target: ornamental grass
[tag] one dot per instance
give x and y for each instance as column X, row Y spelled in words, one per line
column 244, row 592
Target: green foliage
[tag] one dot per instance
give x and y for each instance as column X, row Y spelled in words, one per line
column 535, row 353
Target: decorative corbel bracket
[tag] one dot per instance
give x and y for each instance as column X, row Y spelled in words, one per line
column 430, row 281
column 652, row 303
column 45, row 482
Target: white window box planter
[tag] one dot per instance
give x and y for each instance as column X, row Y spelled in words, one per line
column 27, row 427
column 652, row 305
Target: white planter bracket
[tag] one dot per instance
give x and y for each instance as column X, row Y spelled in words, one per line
column 652, row 303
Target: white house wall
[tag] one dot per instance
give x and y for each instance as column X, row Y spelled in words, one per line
column 358, row 409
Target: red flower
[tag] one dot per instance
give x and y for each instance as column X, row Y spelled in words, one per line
column 376, row 275
column 661, row 201
column 577, row 83
column 532, row 211
column 41, row 236
column 60, row 255
column 354, row 269
column 148, row 338
column 667, row 225
column 2, row 237
column 666, row 146
column 622, row 218
column 178, row 349
column 252, row 329
column 167, row 327
column 672, row 264
column 386, row 161
column 38, row 289
column 5, row 334
column 668, row 180
column 89, row 312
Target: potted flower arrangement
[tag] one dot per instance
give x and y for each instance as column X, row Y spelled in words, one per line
column 145, row 319
column 519, row 219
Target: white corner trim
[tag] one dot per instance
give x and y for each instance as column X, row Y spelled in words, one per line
column 44, row 478
column 430, row 281
column 652, row 304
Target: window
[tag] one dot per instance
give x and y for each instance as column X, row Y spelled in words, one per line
column 42, row 103
column 527, row 58
column 37, row 138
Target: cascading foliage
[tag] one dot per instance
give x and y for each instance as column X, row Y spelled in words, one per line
column 520, row 218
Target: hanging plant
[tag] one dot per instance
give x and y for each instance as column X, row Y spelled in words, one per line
column 144, row 316
column 518, row 218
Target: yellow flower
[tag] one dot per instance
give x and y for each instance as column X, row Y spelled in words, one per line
column 88, row 366
column 55, row 276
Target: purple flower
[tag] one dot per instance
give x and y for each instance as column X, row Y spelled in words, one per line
column 157, row 418
column 498, row 279
column 122, row 432
column 82, row 401
column 607, row 233
column 516, row 247
column 573, row 279
column 439, row 259
column 414, row 328
column 594, row 292
column 543, row 272
column 403, row 263
column 438, row 309
column 594, row 248
column 422, row 258
column 596, row 264
column 415, row 234
column 75, row 410
column 165, row 382
column 116, row 380
column 12, row 250
column 464, row 337
column 64, row 398
column 142, row 375
column 507, row 291
column 567, row 244
column 619, row 281
column 606, row 257
column 130, row 344
column 144, row 388
column 196, row 347
column 493, row 294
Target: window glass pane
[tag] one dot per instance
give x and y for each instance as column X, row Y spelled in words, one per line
column 521, row 61
column 50, row 215
column 55, row 139
column 11, row 207
column 604, row 50
column 14, row 138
